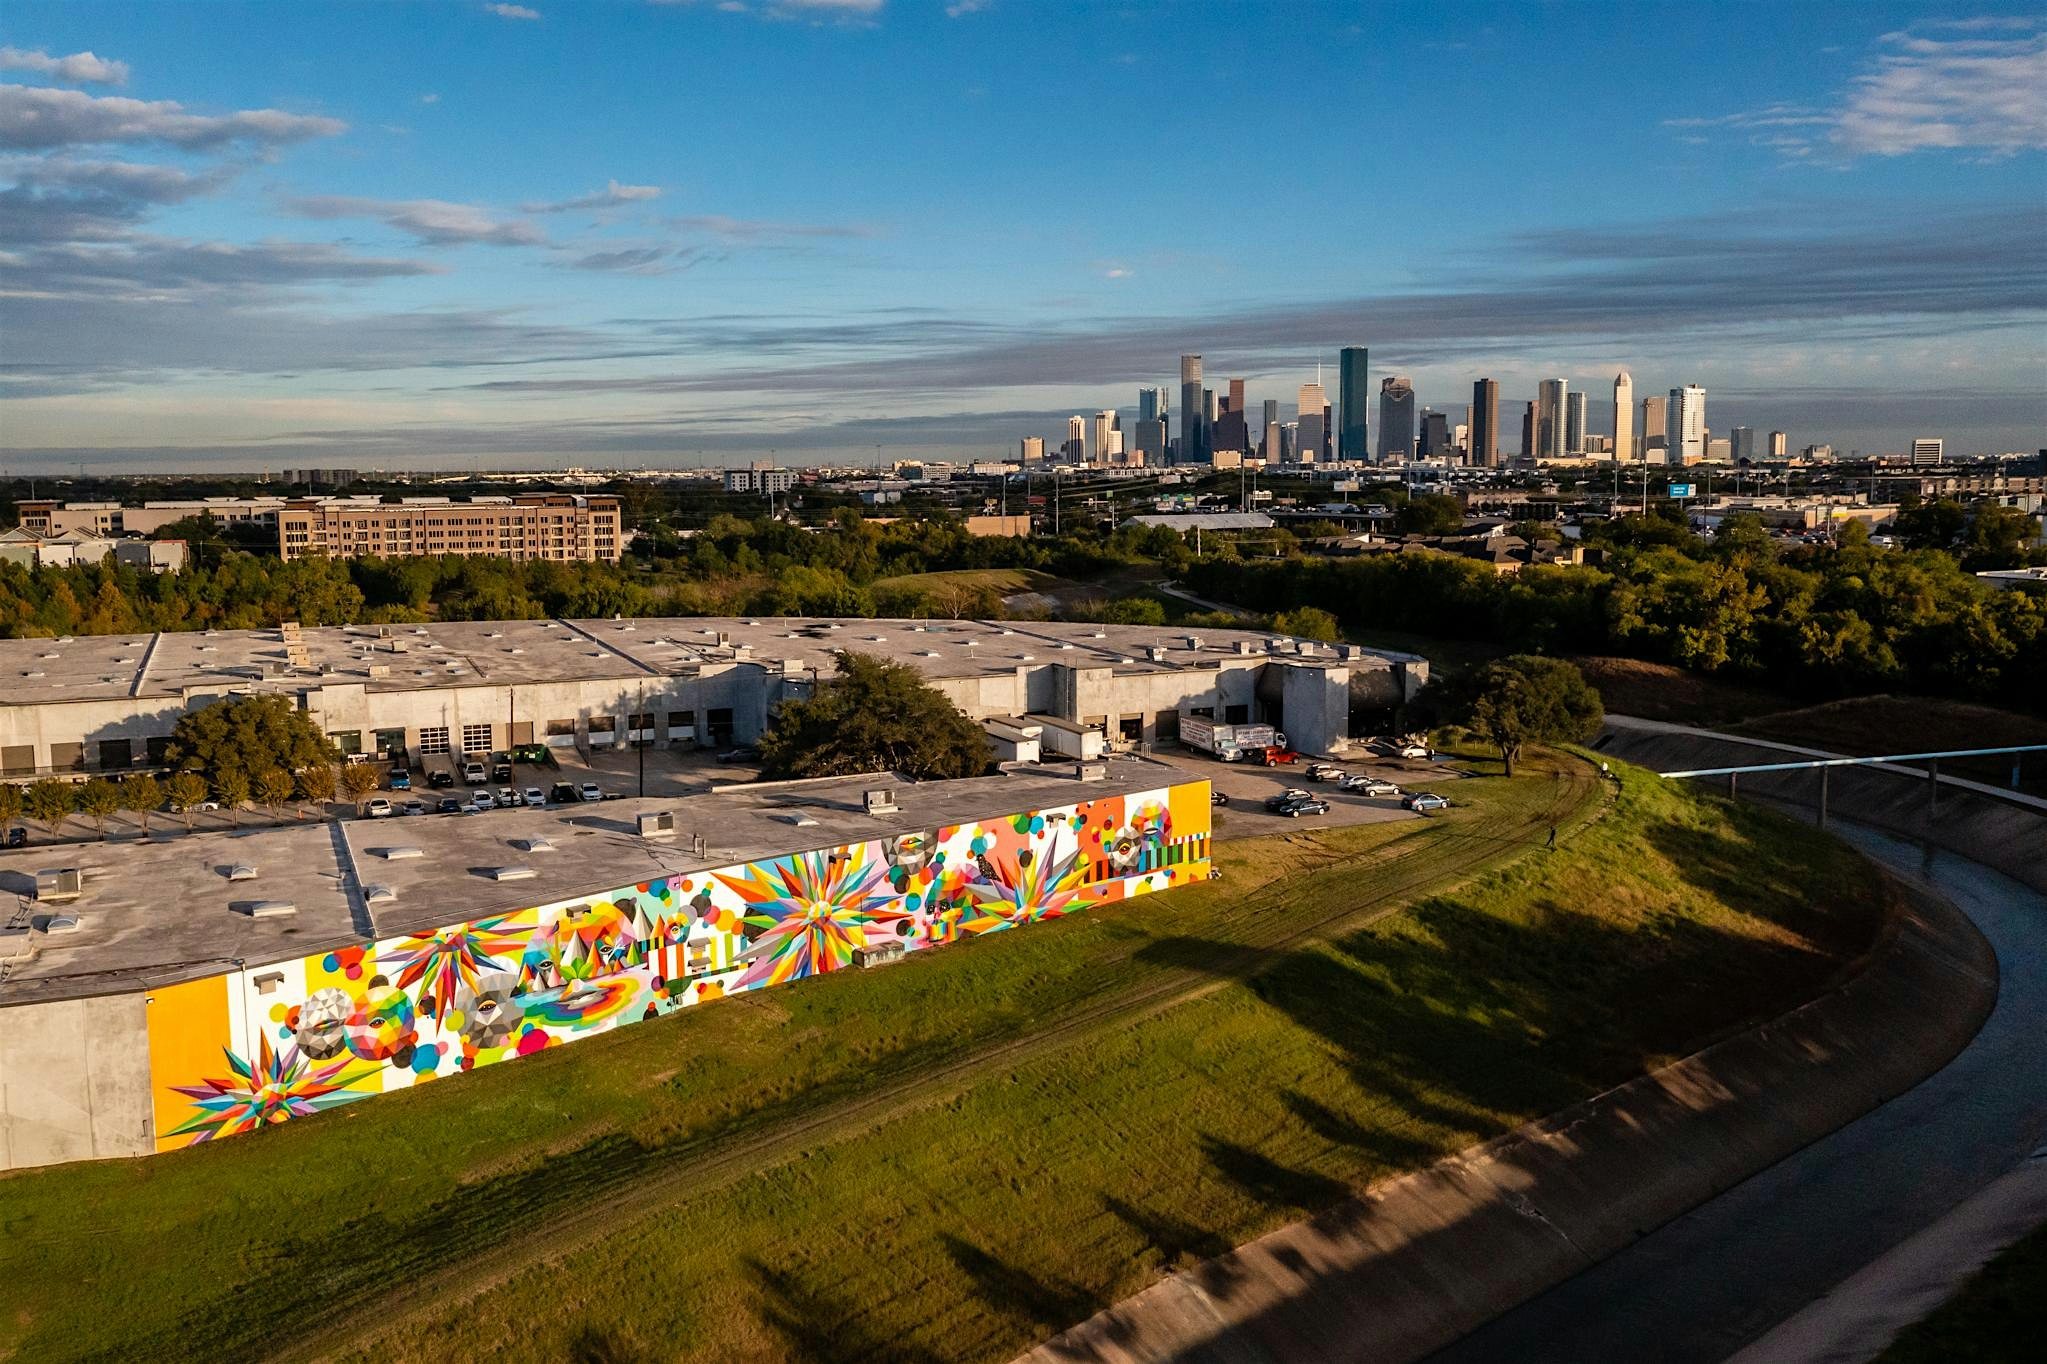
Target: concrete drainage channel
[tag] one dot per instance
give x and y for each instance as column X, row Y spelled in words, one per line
column 1420, row 1262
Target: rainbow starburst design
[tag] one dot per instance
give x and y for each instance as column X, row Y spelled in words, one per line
column 279, row 1086
column 449, row 958
column 1022, row 887
column 806, row 913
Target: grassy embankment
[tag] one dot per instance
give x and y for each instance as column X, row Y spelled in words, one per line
column 956, row 1156
column 1999, row 1317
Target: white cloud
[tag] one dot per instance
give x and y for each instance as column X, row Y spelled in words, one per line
column 80, row 68
column 434, row 221
column 34, row 118
column 430, row 99
column 513, row 12
column 958, row 8
column 750, row 229
column 613, row 195
column 1923, row 93
column 1117, row 272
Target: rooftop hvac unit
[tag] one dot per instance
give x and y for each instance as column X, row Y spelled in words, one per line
column 657, row 824
column 1157, row 653
column 1194, row 641
column 881, row 954
column 1244, row 646
column 881, row 801
column 60, row 886
column 1091, row 771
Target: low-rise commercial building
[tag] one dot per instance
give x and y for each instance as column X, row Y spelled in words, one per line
column 565, row 527
column 109, row 703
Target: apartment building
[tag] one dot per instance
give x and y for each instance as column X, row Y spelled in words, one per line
column 559, row 526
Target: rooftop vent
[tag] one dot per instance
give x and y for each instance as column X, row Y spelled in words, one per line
column 379, row 895
column 271, row 909
column 58, row 924
column 1244, row 646
column 1194, row 641
column 880, row 801
column 404, row 854
column 510, row 873
column 241, row 871
column 795, row 817
column 1091, row 771
column 535, row 844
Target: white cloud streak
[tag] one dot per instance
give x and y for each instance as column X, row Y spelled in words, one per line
column 518, row 12
column 80, row 68
column 613, row 195
column 33, row 118
column 436, row 222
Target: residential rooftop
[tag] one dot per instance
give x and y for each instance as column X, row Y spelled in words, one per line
column 173, row 906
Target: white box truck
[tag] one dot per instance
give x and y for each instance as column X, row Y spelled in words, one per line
column 1229, row 743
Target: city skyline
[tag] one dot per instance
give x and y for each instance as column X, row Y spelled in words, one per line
column 342, row 236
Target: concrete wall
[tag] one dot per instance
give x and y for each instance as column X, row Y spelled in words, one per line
column 74, row 1081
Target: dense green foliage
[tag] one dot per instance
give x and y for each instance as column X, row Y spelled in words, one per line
column 873, row 717
column 1525, row 699
column 1824, row 620
column 243, row 738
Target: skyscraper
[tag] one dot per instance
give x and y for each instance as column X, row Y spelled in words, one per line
column 1652, row 428
column 1034, row 449
column 1549, row 418
column 1193, row 430
column 1528, row 431
column 1485, row 424
column 1434, row 435
column 1396, row 418
column 1929, row 450
column 1151, row 404
column 1267, row 425
column 1574, row 424
column 1741, row 444
column 1076, row 440
column 1275, row 441
column 1778, row 442
column 1684, row 425
column 1623, row 415
column 1232, row 431
column 1354, row 402
column 1308, row 439
column 1108, row 436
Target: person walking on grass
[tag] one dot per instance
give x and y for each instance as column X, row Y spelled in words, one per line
column 1552, row 844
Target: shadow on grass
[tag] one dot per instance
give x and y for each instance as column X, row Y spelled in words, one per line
column 605, row 1345
column 1041, row 1303
column 818, row 1326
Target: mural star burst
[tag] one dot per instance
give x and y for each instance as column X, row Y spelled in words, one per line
column 452, row 957
column 1023, row 887
column 807, row 913
column 276, row 1087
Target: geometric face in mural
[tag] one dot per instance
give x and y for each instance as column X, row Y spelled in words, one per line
column 489, row 1015
column 320, row 1025
column 392, row 1013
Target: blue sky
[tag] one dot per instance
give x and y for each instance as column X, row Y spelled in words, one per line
column 616, row 232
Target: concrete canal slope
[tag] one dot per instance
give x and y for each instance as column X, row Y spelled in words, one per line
column 1417, row 1262
column 1716, row 1279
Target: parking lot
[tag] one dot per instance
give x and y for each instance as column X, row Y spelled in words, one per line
column 1248, row 787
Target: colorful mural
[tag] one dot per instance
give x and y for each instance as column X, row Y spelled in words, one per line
column 229, row 1054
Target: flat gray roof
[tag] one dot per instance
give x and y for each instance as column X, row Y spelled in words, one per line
column 162, row 910
column 399, row 658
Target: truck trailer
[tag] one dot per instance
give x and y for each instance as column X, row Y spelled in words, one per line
column 1230, row 743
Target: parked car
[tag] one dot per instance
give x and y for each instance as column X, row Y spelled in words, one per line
column 483, row 800
column 1324, row 772
column 562, row 793
column 502, row 774
column 590, row 790
column 1286, row 798
column 450, row 806
column 744, row 753
column 1412, row 751
column 1366, row 785
column 414, row 806
column 1280, row 757
column 474, row 774
column 1216, row 797
column 533, row 797
column 507, row 798
column 378, row 808
column 440, row 781
column 1296, row 809
column 1424, row 801
column 399, row 779
column 17, row 837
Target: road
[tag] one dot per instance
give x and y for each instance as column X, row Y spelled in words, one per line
column 1704, row 1286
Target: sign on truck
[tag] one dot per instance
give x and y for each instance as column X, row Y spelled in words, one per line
column 1229, row 743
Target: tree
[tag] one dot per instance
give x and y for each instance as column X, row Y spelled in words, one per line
column 233, row 789
column 357, row 781
column 246, row 736
column 274, row 788
column 10, row 804
column 316, row 784
column 140, row 796
column 50, row 802
column 873, row 716
column 98, row 799
column 1307, row 622
column 1526, row 699
column 1429, row 514
column 186, row 792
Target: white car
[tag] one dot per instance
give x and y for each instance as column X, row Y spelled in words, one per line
column 534, row 797
column 590, row 790
column 1369, row 785
column 1413, row 751
column 1325, row 772
column 483, row 800
column 474, row 774
column 379, row 808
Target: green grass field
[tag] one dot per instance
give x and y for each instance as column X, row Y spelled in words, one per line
column 956, row 1156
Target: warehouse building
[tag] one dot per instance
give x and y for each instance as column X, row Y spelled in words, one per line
column 189, row 988
column 108, row 703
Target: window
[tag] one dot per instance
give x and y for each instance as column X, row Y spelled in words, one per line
column 682, row 719
column 115, row 754
column 558, row 729
column 159, row 749
column 434, row 739
column 600, row 724
column 476, row 738
column 18, row 760
column 643, row 722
